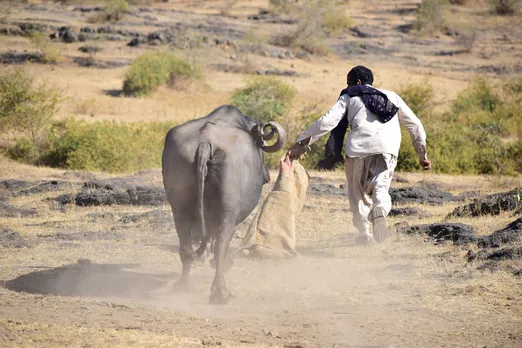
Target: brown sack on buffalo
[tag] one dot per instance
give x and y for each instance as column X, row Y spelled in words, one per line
column 271, row 234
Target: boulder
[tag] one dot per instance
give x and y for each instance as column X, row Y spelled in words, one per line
column 8, row 210
column 120, row 191
column 510, row 234
column 492, row 204
column 422, row 195
column 11, row 239
column 459, row 234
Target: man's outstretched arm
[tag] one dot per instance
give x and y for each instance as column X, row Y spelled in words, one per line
column 323, row 125
column 418, row 136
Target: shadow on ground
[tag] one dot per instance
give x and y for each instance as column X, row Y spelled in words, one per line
column 89, row 279
column 116, row 93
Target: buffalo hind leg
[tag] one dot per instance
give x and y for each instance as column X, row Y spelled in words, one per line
column 219, row 293
column 186, row 254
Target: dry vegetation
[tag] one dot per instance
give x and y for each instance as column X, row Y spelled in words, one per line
column 457, row 63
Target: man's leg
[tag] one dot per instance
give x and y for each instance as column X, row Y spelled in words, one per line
column 383, row 169
column 359, row 202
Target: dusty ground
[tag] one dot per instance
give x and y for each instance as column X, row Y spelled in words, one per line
column 406, row 293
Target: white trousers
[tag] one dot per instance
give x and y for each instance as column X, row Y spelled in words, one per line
column 369, row 179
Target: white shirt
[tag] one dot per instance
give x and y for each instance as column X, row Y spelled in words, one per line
column 368, row 135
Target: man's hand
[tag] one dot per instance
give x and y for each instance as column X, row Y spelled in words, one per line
column 426, row 164
column 297, row 150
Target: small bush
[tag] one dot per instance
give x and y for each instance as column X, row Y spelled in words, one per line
column 317, row 19
column 505, row 7
column 151, row 70
column 284, row 6
column 106, row 145
column 25, row 108
column 49, row 51
column 113, row 12
column 264, row 98
column 429, row 17
column 418, row 96
column 335, row 20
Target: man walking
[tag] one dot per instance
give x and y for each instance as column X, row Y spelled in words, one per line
column 372, row 147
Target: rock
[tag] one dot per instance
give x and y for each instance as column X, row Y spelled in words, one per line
column 48, row 186
column 12, row 31
column 7, row 210
column 90, row 62
column 407, row 211
column 118, row 191
column 88, row 30
column 100, row 216
column 492, row 204
column 478, row 256
column 326, row 190
column 79, row 175
column 136, row 41
column 367, row 31
column 90, row 49
column 510, row 234
column 421, row 195
column 154, row 216
column 459, row 234
column 11, row 239
column 19, row 58
column 14, row 185
column 511, row 253
column 29, row 28
column 89, row 235
column 65, row 199
column 65, row 34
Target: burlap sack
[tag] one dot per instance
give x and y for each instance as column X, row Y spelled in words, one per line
column 271, row 235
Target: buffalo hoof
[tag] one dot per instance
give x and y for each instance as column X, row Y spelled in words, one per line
column 183, row 286
column 220, row 296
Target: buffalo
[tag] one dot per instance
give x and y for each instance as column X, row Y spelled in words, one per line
column 213, row 172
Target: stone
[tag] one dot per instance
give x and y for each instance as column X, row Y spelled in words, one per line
column 11, row 239
column 459, row 234
column 492, row 204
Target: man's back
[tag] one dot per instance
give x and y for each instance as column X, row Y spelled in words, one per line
column 368, row 135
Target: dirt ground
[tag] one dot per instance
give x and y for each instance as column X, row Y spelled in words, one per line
column 101, row 276
column 96, row 277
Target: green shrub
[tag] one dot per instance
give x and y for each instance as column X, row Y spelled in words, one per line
column 24, row 150
column 113, row 12
column 429, row 17
column 505, row 7
column 468, row 138
column 335, row 20
column 317, row 19
column 48, row 50
column 106, row 145
column 419, row 97
column 26, row 108
column 284, row 6
column 264, row 98
column 153, row 69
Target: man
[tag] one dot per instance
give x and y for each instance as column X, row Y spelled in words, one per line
column 372, row 147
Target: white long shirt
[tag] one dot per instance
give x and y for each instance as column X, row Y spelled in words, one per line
column 368, row 135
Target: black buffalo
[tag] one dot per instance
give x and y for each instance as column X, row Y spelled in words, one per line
column 213, row 173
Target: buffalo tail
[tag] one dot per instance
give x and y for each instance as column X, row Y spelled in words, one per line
column 202, row 157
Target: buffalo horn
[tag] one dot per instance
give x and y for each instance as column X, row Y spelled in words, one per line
column 267, row 132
